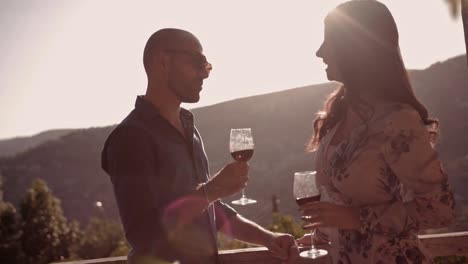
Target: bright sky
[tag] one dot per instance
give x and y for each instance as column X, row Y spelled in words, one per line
column 76, row 64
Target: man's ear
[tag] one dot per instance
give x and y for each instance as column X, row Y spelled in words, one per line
column 164, row 60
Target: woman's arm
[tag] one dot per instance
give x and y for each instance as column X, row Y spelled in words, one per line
column 428, row 201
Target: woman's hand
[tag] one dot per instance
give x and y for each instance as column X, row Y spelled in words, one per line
column 326, row 214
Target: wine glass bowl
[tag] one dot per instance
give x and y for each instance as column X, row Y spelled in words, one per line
column 306, row 190
column 241, row 146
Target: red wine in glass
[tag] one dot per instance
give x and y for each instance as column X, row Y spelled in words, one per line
column 242, row 155
column 241, row 147
column 302, row 201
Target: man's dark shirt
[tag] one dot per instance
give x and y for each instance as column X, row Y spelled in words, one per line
column 153, row 169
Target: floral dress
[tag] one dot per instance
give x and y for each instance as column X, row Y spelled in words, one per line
column 390, row 171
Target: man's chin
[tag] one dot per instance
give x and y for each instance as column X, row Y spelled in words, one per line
column 191, row 100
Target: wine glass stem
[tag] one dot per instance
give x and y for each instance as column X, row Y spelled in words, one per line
column 312, row 234
column 243, row 193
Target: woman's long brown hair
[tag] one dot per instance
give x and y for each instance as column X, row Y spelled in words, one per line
column 365, row 41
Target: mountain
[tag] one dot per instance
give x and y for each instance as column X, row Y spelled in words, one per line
column 281, row 123
column 13, row 146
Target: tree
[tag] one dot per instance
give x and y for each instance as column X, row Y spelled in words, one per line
column 465, row 22
column 225, row 242
column 102, row 238
column 10, row 233
column 280, row 223
column 286, row 224
column 72, row 238
column 462, row 5
column 46, row 234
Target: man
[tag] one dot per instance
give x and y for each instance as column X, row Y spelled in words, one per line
column 168, row 203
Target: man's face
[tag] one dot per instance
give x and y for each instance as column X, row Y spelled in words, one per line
column 188, row 68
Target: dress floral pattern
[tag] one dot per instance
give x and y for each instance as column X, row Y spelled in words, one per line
column 389, row 169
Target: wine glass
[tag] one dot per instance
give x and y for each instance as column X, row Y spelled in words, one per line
column 305, row 191
column 241, row 147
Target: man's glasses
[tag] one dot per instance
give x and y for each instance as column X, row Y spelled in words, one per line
column 196, row 59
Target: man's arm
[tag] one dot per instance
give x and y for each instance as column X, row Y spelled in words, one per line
column 281, row 245
column 130, row 161
column 243, row 229
column 231, row 179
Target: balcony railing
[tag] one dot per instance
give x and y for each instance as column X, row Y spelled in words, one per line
column 446, row 244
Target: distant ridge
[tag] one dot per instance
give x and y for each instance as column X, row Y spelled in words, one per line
column 13, row 146
column 282, row 125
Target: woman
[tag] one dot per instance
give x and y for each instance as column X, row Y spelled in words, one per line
column 374, row 146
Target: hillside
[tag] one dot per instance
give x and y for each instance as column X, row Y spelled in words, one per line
column 281, row 123
column 13, row 146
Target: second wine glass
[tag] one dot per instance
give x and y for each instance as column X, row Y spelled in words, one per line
column 241, row 146
column 306, row 190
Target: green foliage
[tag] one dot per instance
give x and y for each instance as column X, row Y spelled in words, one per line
column 286, row 224
column 225, row 243
column 73, row 236
column 43, row 234
column 122, row 249
column 280, row 223
column 455, row 6
column 46, row 234
column 451, row 260
column 102, row 237
column 10, row 234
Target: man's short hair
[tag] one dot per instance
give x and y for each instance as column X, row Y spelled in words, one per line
column 160, row 40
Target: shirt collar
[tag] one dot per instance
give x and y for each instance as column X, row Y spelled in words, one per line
column 151, row 111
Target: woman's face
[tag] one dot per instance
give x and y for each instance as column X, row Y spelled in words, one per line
column 328, row 55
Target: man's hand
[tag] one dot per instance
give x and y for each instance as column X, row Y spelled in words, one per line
column 327, row 214
column 284, row 247
column 305, row 240
column 229, row 180
column 320, row 238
